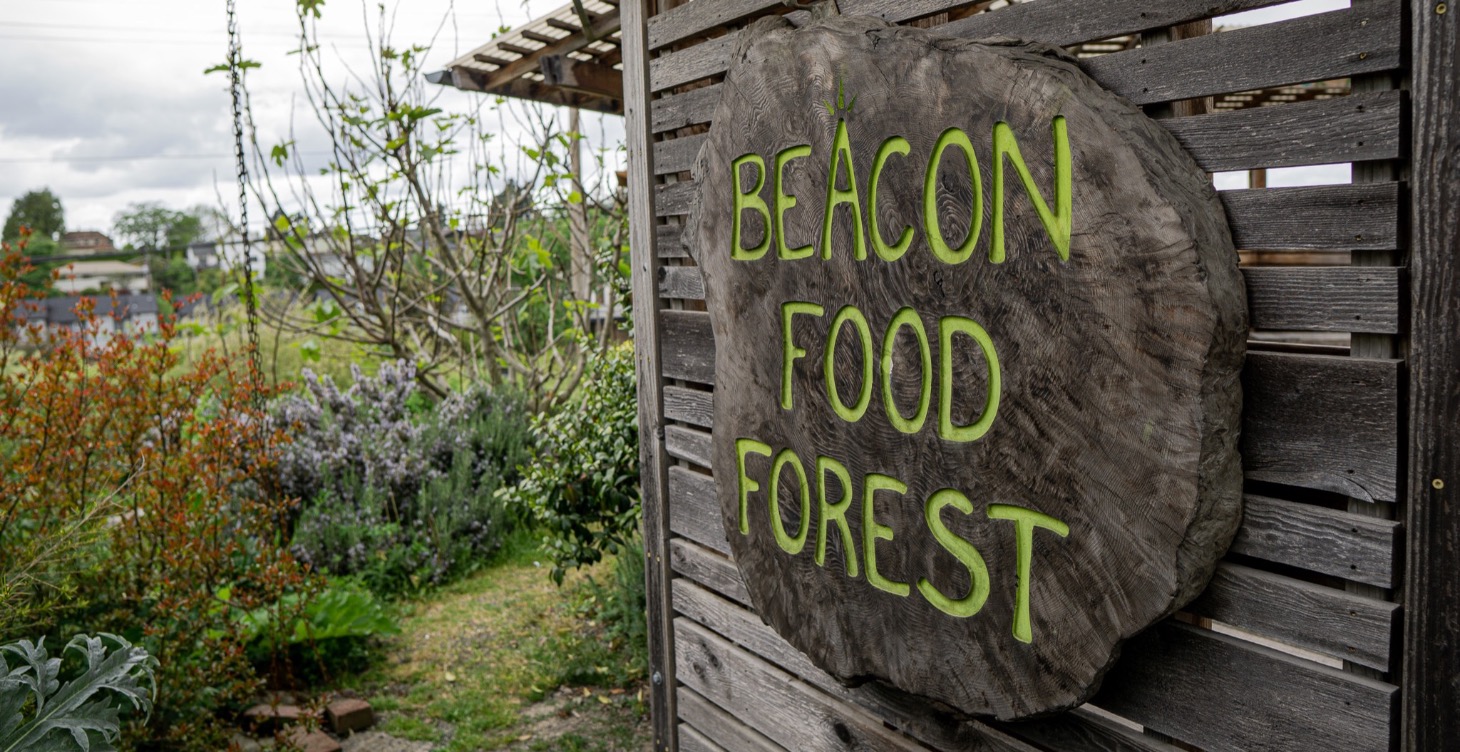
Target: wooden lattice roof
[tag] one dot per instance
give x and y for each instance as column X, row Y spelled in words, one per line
column 570, row 57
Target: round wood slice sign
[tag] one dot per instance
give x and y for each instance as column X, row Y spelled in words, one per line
column 979, row 331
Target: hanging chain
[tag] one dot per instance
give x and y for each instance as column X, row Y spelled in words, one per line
column 235, row 72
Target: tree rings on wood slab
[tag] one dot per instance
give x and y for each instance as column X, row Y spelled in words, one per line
column 979, row 332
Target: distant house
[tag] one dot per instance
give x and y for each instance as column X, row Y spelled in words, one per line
column 87, row 241
column 204, row 255
column 128, row 314
column 83, row 276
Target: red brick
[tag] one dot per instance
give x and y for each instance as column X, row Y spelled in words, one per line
column 313, row 741
column 266, row 719
column 349, row 715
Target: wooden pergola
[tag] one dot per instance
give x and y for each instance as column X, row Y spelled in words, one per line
column 570, row 57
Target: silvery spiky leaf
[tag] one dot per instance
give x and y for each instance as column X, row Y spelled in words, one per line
column 82, row 713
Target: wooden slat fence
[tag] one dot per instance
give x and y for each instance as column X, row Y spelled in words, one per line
column 1295, row 645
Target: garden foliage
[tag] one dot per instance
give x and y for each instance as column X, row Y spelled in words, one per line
column 395, row 495
column 134, row 495
column 38, row 712
column 583, row 483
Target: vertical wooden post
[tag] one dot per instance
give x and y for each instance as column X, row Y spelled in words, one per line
column 580, row 251
column 653, row 474
column 1431, row 694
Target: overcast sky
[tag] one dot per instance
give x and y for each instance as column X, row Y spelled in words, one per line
column 105, row 101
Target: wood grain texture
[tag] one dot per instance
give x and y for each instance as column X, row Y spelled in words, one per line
column 677, row 154
column 682, row 282
column 1317, row 218
column 1324, row 422
column 1355, row 42
column 683, row 110
column 1346, row 129
column 1351, row 546
column 688, row 444
column 1069, row 22
column 667, row 241
column 1238, row 697
column 1432, row 592
column 674, row 199
column 690, row 20
column 1150, row 300
column 719, row 726
column 687, row 346
column 652, row 479
column 689, row 406
column 708, row 568
column 1321, row 619
column 693, row 511
column 691, row 740
column 1324, row 299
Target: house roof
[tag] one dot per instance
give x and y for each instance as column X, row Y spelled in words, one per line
column 562, row 58
column 102, row 269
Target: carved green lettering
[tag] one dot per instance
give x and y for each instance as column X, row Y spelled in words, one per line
column 873, row 532
column 932, row 226
column 827, row 513
column 790, row 352
column 790, row 544
column 978, row 572
column 1057, row 224
column 947, row 327
column 749, row 201
column 841, row 153
column 785, row 202
column 1025, row 520
column 864, row 397
column 909, row 318
column 747, row 486
column 894, row 145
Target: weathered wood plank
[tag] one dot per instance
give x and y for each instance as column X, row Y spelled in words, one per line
column 688, row 444
column 689, row 406
column 1432, row 592
column 683, row 110
column 1232, row 696
column 1314, row 421
column 677, row 154
column 688, row 346
column 1328, row 217
column 1347, row 129
column 1315, row 299
column 1354, row 42
column 693, row 741
column 913, row 716
column 712, row 570
column 689, row 20
column 683, row 282
column 674, row 199
column 1086, row 731
column 1351, row 546
column 1066, row 22
column 1321, row 619
column 1324, row 299
column 720, row 726
column 693, row 511
column 752, row 690
column 667, row 241
column 1324, row 422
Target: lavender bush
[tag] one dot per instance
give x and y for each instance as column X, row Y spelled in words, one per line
column 400, row 498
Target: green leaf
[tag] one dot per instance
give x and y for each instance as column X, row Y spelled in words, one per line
column 309, row 351
column 81, row 714
column 310, row 6
column 575, row 197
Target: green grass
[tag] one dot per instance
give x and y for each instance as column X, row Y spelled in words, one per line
column 507, row 660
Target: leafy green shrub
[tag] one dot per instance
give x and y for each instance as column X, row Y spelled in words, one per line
column 583, row 483
column 329, row 632
column 82, row 713
column 397, row 494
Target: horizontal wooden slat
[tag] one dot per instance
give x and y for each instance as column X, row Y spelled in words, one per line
column 1321, row 619
column 719, row 726
column 693, row 741
column 1315, row 421
column 1339, row 44
column 677, row 154
column 1322, row 421
column 689, row 20
column 1231, row 696
column 1354, row 42
column 1361, row 217
column 1324, row 299
column 667, row 241
column 693, row 511
column 1067, row 22
column 689, row 406
column 754, row 691
column 674, row 199
column 1354, row 547
column 1316, row 218
column 1313, row 299
column 1356, row 128
column 708, row 568
column 709, row 614
column 683, row 282
column 683, row 110
column 688, row 444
